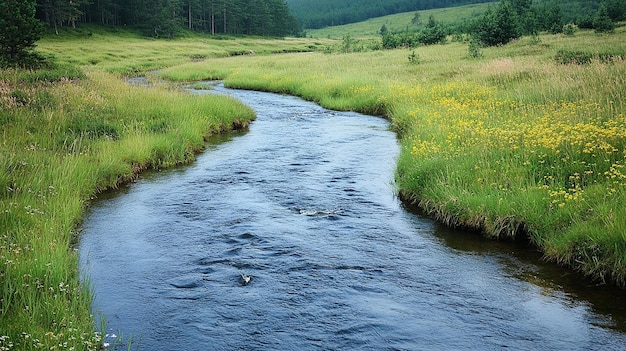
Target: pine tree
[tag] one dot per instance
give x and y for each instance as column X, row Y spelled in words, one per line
column 499, row 26
column 20, row 30
column 603, row 22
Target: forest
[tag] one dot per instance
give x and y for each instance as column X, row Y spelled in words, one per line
column 167, row 17
column 273, row 18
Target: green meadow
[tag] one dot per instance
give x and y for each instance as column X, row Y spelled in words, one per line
column 523, row 140
column 127, row 53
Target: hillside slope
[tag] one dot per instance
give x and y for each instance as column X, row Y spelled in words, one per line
column 401, row 21
column 322, row 13
column 317, row 14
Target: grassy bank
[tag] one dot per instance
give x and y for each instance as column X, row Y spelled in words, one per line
column 66, row 135
column 516, row 142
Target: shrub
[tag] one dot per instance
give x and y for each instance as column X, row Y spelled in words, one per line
column 585, row 57
column 414, row 58
column 570, row 29
column 474, row 49
column 434, row 33
column 576, row 57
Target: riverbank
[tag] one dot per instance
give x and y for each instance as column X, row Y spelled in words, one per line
column 66, row 136
column 518, row 141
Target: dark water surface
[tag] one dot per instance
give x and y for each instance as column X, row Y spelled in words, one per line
column 304, row 204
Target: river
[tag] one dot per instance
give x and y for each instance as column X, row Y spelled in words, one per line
column 303, row 204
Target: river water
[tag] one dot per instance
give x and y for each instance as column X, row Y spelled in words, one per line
column 303, row 203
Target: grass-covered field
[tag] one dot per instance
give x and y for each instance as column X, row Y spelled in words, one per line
column 514, row 142
column 125, row 52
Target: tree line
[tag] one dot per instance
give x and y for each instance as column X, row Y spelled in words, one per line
column 164, row 18
column 510, row 19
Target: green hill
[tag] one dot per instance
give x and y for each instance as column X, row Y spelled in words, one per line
column 314, row 14
column 400, row 21
column 337, row 18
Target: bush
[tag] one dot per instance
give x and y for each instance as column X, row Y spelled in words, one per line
column 569, row 29
column 434, row 33
column 404, row 39
column 585, row 57
column 474, row 49
column 576, row 57
column 414, row 58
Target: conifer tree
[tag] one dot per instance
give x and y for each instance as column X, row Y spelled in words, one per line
column 20, row 30
column 603, row 22
column 499, row 26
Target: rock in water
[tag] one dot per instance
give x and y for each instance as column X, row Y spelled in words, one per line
column 245, row 279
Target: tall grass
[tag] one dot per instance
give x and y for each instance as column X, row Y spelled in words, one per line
column 63, row 141
column 513, row 143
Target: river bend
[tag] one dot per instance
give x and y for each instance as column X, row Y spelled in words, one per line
column 304, row 204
